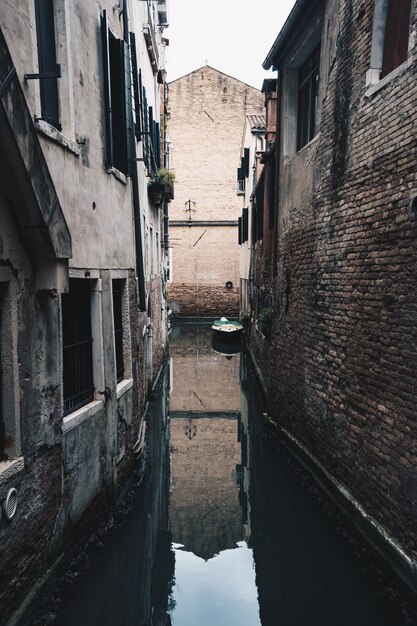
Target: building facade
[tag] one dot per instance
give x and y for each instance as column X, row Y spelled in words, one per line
column 207, row 112
column 253, row 146
column 83, row 320
column 340, row 364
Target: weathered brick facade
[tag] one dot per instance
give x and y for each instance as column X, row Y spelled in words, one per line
column 342, row 363
column 208, row 109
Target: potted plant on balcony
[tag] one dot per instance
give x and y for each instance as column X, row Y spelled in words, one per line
column 161, row 185
column 167, row 178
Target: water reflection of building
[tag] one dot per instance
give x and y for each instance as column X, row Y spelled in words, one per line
column 243, row 469
column 205, row 513
column 132, row 582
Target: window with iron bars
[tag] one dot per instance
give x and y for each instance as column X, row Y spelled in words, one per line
column 117, row 287
column 3, row 455
column 77, row 345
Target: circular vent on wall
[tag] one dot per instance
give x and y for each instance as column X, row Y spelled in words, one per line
column 10, row 504
column 229, row 284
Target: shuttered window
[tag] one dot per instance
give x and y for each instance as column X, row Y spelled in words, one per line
column 45, row 34
column 117, row 100
column 397, row 31
column 259, row 196
column 245, row 225
column 245, row 162
column 137, row 87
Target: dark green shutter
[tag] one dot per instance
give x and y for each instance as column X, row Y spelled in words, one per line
column 135, row 74
column 118, row 108
column 245, row 162
column 45, row 32
column 245, row 224
column 259, row 211
column 128, row 117
column 240, row 231
column 107, row 90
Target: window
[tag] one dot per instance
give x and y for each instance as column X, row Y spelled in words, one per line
column 77, row 345
column 45, row 32
column 3, row 455
column 117, row 100
column 151, row 250
column 9, row 368
column 117, row 288
column 397, row 30
column 308, row 91
column 390, row 35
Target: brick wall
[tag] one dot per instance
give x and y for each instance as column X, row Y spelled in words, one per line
column 208, row 110
column 343, row 353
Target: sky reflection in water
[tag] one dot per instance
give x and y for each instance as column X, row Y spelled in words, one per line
column 219, row 591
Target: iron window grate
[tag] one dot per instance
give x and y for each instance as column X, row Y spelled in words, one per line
column 118, row 327
column 77, row 346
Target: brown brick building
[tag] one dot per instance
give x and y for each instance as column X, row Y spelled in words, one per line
column 208, row 109
column 341, row 363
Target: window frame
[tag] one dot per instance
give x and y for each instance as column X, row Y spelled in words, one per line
column 118, row 106
column 9, row 365
column 47, row 61
column 375, row 75
column 307, row 98
column 74, row 348
column 118, row 288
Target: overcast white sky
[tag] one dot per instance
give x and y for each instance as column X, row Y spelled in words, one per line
column 233, row 36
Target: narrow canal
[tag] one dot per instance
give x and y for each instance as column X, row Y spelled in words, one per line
column 227, row 529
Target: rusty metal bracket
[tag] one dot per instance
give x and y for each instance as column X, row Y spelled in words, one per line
column 56, row 74
column 5, row 84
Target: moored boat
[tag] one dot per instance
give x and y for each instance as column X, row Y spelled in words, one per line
column 224, row 327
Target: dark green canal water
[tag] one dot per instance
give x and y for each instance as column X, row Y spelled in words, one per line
column 227, row 528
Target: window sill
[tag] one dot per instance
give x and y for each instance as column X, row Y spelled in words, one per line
column 123, row 387
column 9, row 469
column 53, row 133
column 305, row 148
column 374, row 88
column 81, row 415
column 122, row 178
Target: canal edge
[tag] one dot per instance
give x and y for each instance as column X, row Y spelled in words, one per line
column 384, row 547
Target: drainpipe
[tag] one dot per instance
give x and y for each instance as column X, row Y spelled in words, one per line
column 278, row 153
column 140, row 273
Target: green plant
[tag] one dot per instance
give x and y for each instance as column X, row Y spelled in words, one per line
column 165, row 176
column 265, row 318
column 245, row 320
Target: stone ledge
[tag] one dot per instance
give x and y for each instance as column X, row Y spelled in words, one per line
column 122, row 178
column 53, row 133
column 123, row 387
column 8, row 469
column 81, row 415
column 374, row 88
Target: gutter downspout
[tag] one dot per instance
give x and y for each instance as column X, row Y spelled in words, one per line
column 140, row 273
column 278, row 153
